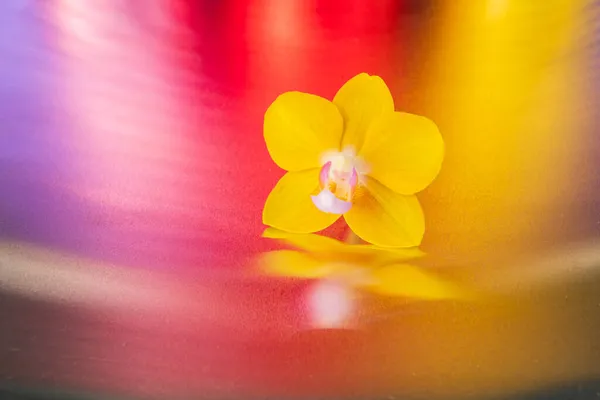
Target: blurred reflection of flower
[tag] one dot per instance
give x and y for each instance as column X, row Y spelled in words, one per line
column 342, row 270
column 355, row 157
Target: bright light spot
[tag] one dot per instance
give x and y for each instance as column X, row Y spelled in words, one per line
column 330, row 305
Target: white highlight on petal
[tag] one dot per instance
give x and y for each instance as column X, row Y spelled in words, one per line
column 328, row 203
column 330, row 304
column 345, row 160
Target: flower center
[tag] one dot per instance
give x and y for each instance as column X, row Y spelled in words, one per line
column 338, row 181
column 340, row 177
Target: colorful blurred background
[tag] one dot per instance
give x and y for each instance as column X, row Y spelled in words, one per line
column 133, row 173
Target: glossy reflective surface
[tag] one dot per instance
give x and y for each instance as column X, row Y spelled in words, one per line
column 133, row 172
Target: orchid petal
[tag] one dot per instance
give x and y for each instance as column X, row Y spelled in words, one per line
column 299, row 127
column 361, row 100
column 289, row 206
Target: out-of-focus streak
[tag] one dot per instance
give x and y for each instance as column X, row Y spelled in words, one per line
column 285, row 39
column 500, row 345
column 127, row 149
column 157, row 173
column 138, row 296
column 49, row 276
column 569, row 264
column 278, row 31
column 506, row 95
column 46, row 276
column 282, row 24
column 565, row 265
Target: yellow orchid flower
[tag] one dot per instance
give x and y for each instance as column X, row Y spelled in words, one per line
column 356, row 157
column 364, row 267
